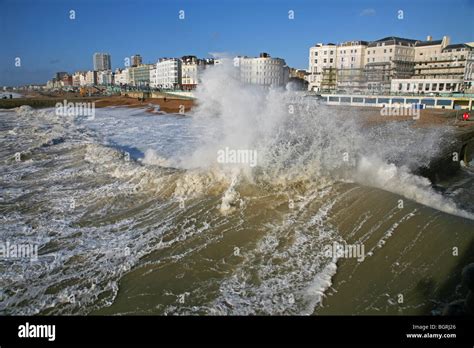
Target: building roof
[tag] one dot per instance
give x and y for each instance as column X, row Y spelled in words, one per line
column 353, row 43
column 428, row 43
column 453, row 46
column 390, row 38
column 395, row 40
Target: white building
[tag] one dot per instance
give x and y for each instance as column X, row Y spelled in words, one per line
column 339, row 66
column 90, row 78
column 469, row 72
column 121, row 77
column 79, row 79
column 264, row 70
column 105, row 77
column 426, row 86
column 322, row 61
column 191, row 70
column 166, row 74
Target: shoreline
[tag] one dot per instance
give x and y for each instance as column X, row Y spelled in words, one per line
column 168, row 105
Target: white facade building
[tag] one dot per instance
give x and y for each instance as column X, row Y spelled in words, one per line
column 166, row 74
column 264, row 70
column 339, row 66
column 469, row 73
column 191, row 70
column 79, row 79
column 121, row 77
column 90, row 78
column 426, row 86
column 105, row 77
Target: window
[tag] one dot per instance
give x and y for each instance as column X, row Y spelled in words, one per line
column 358, row 100
column 330, row 60
column 428, row 101
column 441, row 86
column 325, row 60
column 445, row 102
column 385, row 51
column 331, row 52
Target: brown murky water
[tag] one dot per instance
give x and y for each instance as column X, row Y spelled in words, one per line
column 143, row 237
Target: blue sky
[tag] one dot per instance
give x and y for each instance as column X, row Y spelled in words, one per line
column 42, row 35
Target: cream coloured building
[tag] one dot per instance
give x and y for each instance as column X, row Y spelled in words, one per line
column 91, row 78
column 386, row 59
column 264, row 70
column 469, row 72
column 357, row 66
column 191, row 69
column 121, row 77
column 440, row 59
column 351, row 57
column 322, row 67
column 426, row 86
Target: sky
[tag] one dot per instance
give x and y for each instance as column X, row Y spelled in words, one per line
column 45, row 38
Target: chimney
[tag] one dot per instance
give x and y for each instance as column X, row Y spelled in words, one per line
column 264, row 55
column 429, row 38
column 445, row 42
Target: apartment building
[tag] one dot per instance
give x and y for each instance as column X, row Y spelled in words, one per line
column 105, row 77
column 90, row 78
column 389, row 58
column 191, row 69
column 322, row 67
column 139, row 76
column 263, row 70
column 440, row 59
column 102, row 61
column 427, row 85
column 136, row 60
column 166, row 74
column 79, row 79
column 351, row 59
column 469, row 72
column 356, row 66
column 440, row 67
column 121, row 77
